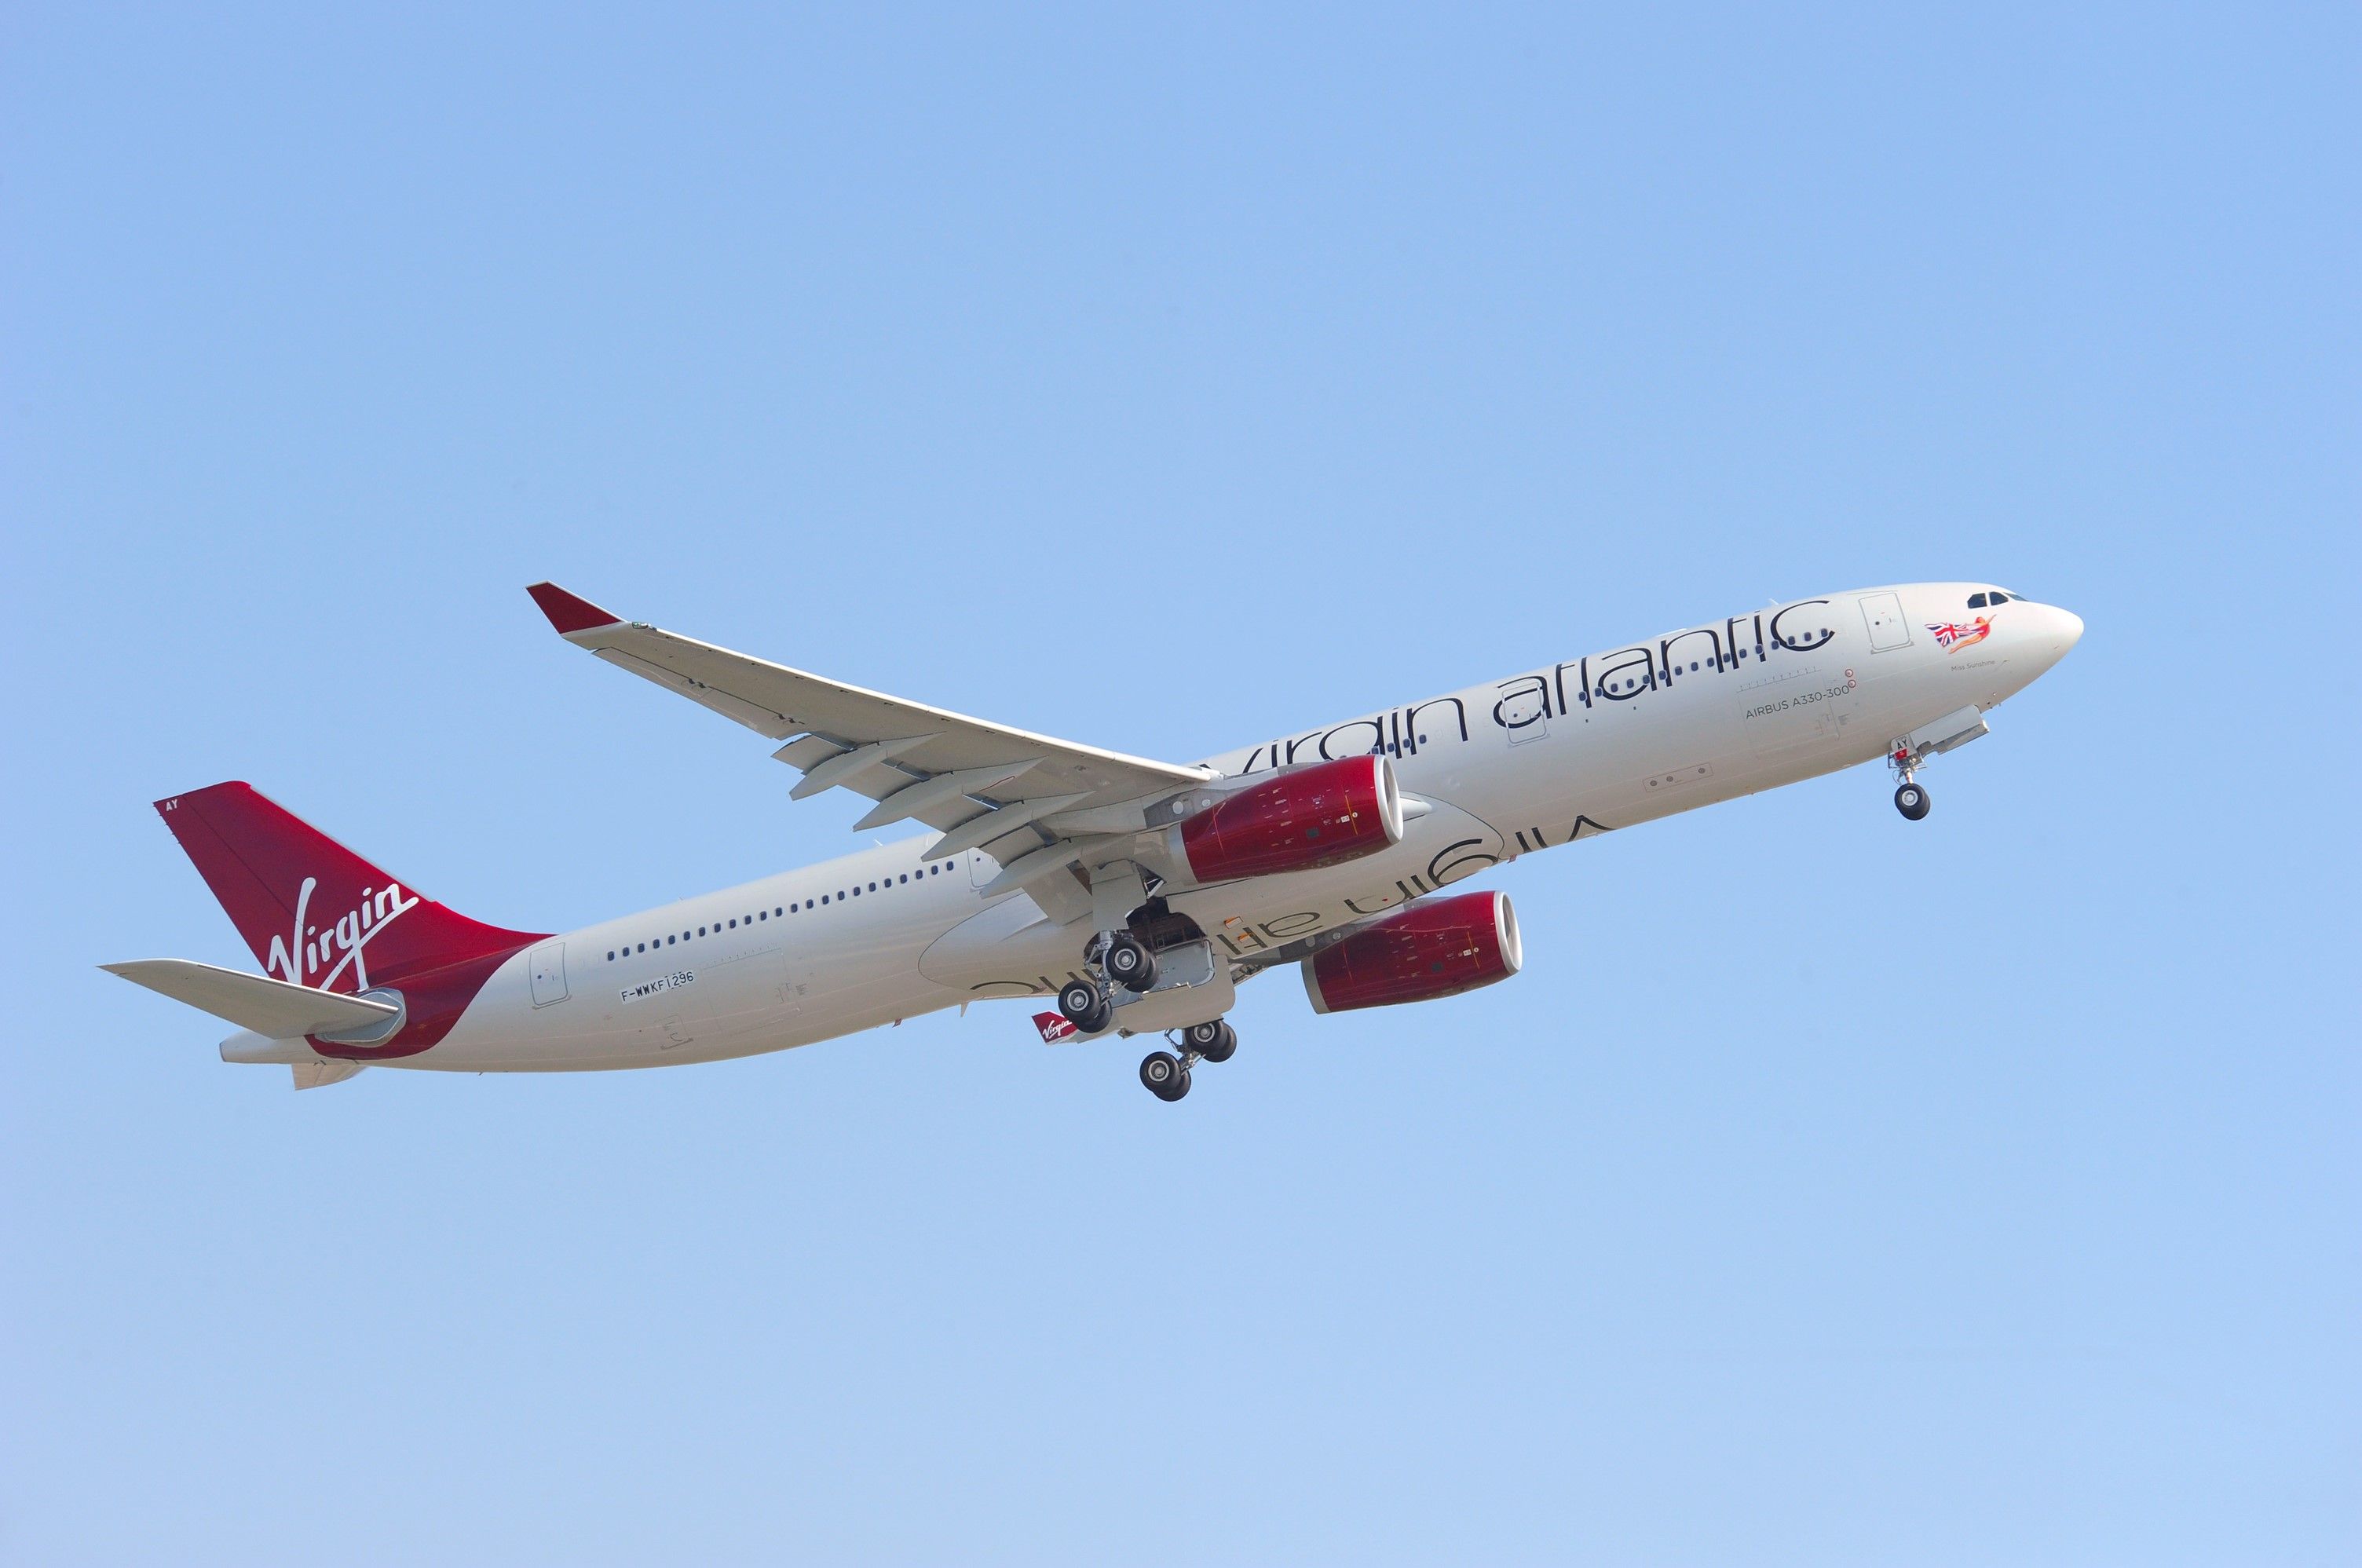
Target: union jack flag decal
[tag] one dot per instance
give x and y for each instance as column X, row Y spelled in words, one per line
column 1951, row 636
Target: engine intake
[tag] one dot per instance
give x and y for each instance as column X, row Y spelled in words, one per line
column 1438, row 947
column 1322, row 814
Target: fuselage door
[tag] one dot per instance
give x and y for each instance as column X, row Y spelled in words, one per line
column 1888, row 629
column 549, row 963
column 1525, row 714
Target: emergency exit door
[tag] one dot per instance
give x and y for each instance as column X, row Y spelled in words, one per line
column 549, row 963
column 1888, row 629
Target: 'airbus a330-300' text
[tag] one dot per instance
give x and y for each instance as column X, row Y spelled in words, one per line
column 1140, row 894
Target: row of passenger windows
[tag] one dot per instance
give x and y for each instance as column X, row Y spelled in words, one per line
column 673, row 939
column 1722, row 662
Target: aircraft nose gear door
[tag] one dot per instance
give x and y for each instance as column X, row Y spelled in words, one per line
column 548, row 974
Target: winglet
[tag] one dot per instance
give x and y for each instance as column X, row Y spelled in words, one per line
column 567, row 613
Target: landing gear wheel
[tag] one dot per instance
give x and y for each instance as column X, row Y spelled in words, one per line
column 1212, row 1042
column 1080, row 1004
column 1127, row 964
column 1912, row 800
column 1167, row 1078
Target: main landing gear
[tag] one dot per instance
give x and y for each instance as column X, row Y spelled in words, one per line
column 1167, row 1075
column 1118, row 959
column 1085, row 1006
column 1127, row 962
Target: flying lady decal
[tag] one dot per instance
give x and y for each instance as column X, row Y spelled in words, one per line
column 1951, row 636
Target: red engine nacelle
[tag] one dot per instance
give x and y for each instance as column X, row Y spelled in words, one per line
column 1438, row 948
column 1323, row 815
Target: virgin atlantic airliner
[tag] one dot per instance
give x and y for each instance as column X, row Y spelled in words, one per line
column 1139, row 893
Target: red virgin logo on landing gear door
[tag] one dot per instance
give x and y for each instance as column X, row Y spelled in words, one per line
column 1054, row 1028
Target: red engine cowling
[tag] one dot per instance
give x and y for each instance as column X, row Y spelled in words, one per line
column 1323, row 815
column 1438, row 947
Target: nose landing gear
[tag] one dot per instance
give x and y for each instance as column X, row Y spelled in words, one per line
column 1910, row 795
column 1911, row 752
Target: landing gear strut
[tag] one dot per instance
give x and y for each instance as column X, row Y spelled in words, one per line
column 1167, row 1075
column 1910, row 795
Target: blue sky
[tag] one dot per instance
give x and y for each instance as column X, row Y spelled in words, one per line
column 1827, row 1189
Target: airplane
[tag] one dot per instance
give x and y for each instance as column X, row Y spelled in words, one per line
column 1139, row 893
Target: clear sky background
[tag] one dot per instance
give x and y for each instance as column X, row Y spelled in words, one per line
column 1827, row 1189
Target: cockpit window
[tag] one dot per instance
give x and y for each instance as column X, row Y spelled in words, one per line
column 2000, row 598
column 1976, row 600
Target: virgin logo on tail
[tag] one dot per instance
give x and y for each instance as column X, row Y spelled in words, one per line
column 339, row 947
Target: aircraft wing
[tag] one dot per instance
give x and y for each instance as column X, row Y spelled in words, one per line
column 1032, row 803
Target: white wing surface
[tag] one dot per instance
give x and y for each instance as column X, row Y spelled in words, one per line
column 1035, row 804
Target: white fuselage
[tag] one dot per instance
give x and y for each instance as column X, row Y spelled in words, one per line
column 1531, row 762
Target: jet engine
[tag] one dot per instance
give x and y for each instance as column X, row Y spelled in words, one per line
column 1322, row 814
column 1437, row 947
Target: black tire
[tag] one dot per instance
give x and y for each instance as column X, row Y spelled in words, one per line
column 1215, row 1042
column 1161, row 1072
column 1128, row 964
column 1912, row 800
column 1079, row 1000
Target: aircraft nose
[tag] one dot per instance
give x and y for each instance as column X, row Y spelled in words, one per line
column 2063, row 630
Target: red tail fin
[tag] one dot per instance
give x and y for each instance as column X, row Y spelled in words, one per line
column 316, row 914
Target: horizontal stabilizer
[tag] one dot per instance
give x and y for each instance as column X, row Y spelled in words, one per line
column 270, row 1008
